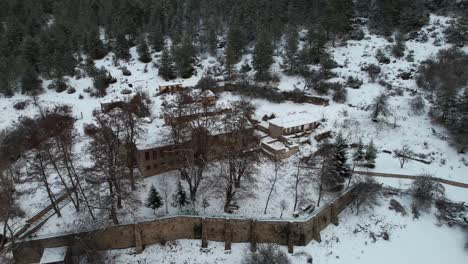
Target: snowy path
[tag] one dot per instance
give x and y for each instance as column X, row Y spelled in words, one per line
column 411, row 177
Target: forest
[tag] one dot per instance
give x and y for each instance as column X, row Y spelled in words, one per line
column 50, row 39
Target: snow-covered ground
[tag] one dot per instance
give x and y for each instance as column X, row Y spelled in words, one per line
column 352, row 241
column 352, row 119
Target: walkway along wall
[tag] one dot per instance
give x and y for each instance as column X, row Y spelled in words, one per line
column 288, row 232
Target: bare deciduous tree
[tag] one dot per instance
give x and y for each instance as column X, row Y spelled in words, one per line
column 403, row 155
column 192, row 126
column 366, row 194
column 277, row 170
column 108, row 171
column 267, row 254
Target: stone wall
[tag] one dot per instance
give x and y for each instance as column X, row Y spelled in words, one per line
column 288, row 232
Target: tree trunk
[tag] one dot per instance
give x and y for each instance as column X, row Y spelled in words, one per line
column 271, row 191
column 296, row 188
column 47, row 186
column 62, row 180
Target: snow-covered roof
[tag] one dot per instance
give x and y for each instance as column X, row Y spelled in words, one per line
column 207, row 93
column 53, row 255
column 293, row 120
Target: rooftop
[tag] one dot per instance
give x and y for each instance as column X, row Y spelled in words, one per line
column 293, row 120
column 53, row 255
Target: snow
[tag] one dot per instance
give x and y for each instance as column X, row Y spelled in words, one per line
column 412, row 241
column 54, row 255
column 293, row 120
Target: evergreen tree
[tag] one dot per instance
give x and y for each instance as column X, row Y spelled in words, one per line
column 154, row 200
column 157, row 38
column 458, row 33
column 122, row 47
column 234, row 46
column 412, row 15
column 30, row 82
column 290, row 56
column 358, row 154
column 315, row 46
column 371, row 155
column 166, row 65
column 184, row 57
column 142, row 49
column 30, row 51
column 263, row 57
column 94, row 46
column 340, row 157
column 398, row 50
column 179, row 198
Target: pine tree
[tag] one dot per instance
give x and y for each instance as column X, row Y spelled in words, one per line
column 184, row 57
column 371, row 155
column 398, row 50
column 142, row 49
column 263, row 57
column 154, row 200
column 315, row 46
column 234, row 46
column 179, row 198
column 94, row 46
column 458, row 33
column 122, row 47
column 157, row 38
column 30, row 82
column 358, row 155
column 341, row 157
column 30, row 51
column 290, row 55
column 166, row 65
column 412, row 15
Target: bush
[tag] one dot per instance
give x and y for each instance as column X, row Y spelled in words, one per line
column 59, row 85
column 373, row 71
column 126, row 72
column 381, row 57
column 269, row 254
column 357, row 34
column 324, row 87
column 425, row 191
column 206, row 83
column 71, row 90
column 21, row 105
column 340, row 95
column 398, row 50
column 418, row 105
column 354, row 83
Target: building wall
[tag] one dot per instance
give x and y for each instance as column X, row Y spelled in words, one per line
column 279, row 231
column 275, row 131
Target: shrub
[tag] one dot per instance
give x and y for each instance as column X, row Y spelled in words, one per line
column 206, row 83
column 353, row 82
column 373, row 71
column 21, row 105
column 425, row 191
column 59, row 85
column 125, row 71
column 71, row 90
column 398, row 50
column 269, row 254
column 381, row 57
column 417, row 105
column 340, row 95
column 357, row 34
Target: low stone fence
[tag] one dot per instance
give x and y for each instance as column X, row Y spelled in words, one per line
column 289, row 232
